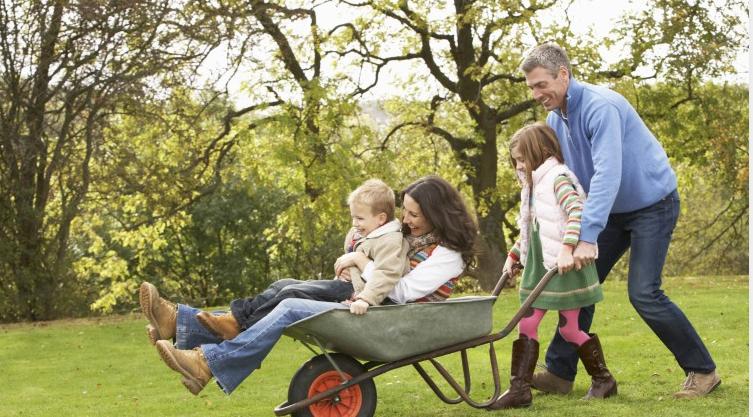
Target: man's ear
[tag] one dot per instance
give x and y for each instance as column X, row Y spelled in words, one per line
column 563, row 72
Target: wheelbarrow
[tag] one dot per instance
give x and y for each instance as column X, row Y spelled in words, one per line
column 351, row 350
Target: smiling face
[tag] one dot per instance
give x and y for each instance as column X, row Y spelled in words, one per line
column 364, row 220
column 548, row 90
column 414, row 218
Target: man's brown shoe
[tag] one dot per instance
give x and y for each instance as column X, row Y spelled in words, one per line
column 698, row 385
column 160, row 313
column 548, row 382
column 223, row 326
column 189, row 363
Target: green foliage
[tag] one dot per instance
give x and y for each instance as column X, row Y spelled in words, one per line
column 680, row 40
column 64, row 69
column 704, row 132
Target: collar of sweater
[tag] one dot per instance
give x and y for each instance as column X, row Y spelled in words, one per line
column 572, row 97
column 389, row 227
column 542, row 170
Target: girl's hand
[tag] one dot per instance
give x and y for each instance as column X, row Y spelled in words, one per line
column 565, row 260
column 359, row 307
column 512, row 267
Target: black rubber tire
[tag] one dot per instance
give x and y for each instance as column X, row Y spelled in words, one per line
column 318, row 365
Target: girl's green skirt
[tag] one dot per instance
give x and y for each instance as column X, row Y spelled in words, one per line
column 564, row 292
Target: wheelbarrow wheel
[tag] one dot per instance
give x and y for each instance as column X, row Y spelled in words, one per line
column 318, row 375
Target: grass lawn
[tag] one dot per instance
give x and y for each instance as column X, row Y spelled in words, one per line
column 106, row 367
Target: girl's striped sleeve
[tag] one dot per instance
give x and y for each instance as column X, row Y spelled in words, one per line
column 570, row 201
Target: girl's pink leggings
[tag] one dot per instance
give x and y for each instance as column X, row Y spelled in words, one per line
column 568, row 325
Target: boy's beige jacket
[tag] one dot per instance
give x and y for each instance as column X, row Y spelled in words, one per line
column 387, row 247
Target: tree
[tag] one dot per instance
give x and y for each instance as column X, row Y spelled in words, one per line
column 706, row 138
column 65, row 68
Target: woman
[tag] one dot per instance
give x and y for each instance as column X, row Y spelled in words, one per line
column 441, row 233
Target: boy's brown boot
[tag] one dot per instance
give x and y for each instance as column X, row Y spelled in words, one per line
column 189, row 363
column 603, row 384
column 160, row 313
column 525, row 352
column 223, row 326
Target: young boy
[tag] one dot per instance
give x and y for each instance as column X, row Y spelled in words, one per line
column 375, row 233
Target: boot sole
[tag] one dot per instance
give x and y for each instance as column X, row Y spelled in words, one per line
column 148, row 297
column 153, row 334
column 511, row 407
column 612, row 392
column 192, row 383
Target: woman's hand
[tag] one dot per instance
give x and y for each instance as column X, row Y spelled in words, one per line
column 565, row 260
column 359, row 307
column 356, row 259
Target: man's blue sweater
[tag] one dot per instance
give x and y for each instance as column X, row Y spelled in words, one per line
column 616, row 158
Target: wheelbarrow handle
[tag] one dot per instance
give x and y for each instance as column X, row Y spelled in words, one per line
column 506, row 275
column 501, row 283
column 529, row 300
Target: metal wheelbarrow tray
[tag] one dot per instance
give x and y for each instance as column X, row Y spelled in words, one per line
column 334, row 383
column 393, row 332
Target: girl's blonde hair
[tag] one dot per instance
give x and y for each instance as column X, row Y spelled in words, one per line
column 536, row 143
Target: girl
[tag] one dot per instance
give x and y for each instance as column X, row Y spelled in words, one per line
column 549, row 221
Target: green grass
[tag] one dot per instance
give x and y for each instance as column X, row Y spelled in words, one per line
column 106, row 367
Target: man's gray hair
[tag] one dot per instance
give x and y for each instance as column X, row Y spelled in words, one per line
column 548, row 56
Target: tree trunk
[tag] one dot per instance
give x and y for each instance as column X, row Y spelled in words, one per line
column 489, row 212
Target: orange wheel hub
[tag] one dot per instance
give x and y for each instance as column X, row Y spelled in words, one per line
column 346, row 403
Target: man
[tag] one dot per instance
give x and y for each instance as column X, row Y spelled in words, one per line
column 632, row 203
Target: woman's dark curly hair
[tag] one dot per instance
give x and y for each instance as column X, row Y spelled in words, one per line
column 444, row 208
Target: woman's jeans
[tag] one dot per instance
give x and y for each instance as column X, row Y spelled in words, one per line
column 647, row 232
column 231, row 361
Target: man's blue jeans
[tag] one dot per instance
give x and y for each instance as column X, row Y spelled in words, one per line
column 647, row 232
column 231, row 361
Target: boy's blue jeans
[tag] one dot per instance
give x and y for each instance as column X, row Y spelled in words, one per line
column 647, row 232
column 247, row 311
column 231, row 361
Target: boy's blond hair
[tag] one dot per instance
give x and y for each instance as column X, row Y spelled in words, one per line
column 377, row 195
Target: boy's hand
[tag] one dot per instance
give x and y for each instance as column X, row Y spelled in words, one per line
column 565, row 260
column 359, row 307
column 344, row 275
column 344, row 261
column 348, row 260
